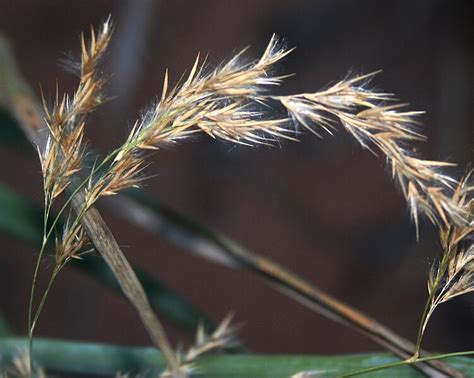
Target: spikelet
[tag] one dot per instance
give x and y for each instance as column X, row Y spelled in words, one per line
column 222, row 338
column 58, row 165
column 72, row 240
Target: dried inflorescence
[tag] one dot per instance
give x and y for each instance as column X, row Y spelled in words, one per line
column 63, row 154
column 224, row 103
column 223, row 337
column 373, row 119
column 62, row 158
column 72, row 241
column 453, row 274
column 231, row 102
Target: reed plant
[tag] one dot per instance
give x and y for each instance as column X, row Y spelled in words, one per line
column 233, row 103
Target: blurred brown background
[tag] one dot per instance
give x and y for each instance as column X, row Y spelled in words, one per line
column 324, row 208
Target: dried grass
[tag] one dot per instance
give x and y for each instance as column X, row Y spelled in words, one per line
column 232, row 103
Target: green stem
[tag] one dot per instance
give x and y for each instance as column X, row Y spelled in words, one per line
column 429, row 306
column 71, row 358
column 406, row 362
column 424, row 320
column 47, row 210
column 37, row 315
column 43, row 300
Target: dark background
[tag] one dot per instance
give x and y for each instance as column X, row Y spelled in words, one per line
column 324, row 208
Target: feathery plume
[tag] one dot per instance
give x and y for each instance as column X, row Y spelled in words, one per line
column 231, row 103
column 367, row 117
column 225, row 103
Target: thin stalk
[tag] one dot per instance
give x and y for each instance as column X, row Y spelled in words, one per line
column 46, row 235
column 32, row 327
column 55, row 274
column 406, row 362
column 431, row 303
column 43, row 299
column 47, row 209
column 71, row 358
column 424, row 320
